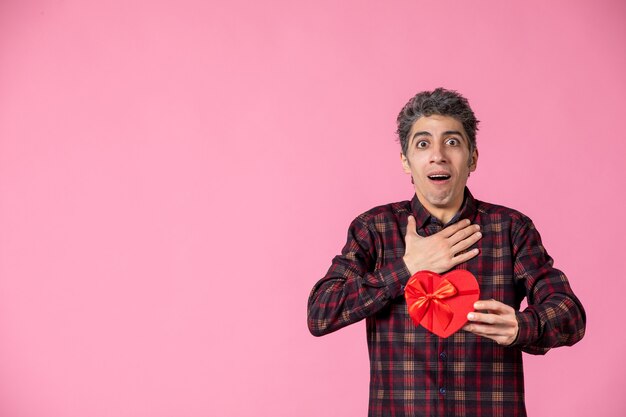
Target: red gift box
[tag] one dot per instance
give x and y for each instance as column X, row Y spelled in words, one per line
column 441, row 303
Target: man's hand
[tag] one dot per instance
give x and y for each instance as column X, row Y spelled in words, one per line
column 438, row 253
column 499, row 323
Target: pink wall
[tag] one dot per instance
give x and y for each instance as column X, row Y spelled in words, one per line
column 176, row 175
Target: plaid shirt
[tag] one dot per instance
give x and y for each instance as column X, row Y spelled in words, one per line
column 416, row 373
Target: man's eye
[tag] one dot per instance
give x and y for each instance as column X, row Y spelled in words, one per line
column 453, row 141
column 422, row 144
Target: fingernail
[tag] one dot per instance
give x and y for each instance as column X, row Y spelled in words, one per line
column 470, row 316
column 477, row 306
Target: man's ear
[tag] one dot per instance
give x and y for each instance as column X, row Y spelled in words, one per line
column 474, row 161
column 405, row 163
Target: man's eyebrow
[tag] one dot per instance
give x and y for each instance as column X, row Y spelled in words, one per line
column 446, row 133
column 453, row 132
column 421, row 133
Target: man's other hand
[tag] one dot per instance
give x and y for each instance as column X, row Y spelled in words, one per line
column 499, row 323
column 439, row 252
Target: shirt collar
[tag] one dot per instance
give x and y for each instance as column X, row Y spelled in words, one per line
column 423, row 216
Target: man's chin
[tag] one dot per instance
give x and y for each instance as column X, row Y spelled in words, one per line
column 444, row 202
column 440, row 202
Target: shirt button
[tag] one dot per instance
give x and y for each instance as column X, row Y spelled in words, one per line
column 443, row 356
column 442, row 391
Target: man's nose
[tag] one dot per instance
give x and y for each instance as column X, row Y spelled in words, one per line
column 437, row 154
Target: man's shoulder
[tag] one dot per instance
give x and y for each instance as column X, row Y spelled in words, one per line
column 498, row 211
column 386, row 212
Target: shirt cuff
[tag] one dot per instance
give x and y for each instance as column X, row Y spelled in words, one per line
column 527, row 328
column 395, row 275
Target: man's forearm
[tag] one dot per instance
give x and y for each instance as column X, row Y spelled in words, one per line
column 555, row 316
column 557, row 321
column 344, row 296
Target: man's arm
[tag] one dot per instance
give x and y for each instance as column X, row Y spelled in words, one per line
column 554, row 317
column 354, row 289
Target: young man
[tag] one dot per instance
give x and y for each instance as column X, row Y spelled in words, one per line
column 477, row 371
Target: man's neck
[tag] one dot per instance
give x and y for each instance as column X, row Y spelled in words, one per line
column 443, row 214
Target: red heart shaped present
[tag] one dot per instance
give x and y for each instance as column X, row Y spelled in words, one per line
column 441, row 303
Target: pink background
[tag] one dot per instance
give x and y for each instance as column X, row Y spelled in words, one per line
column 176, row 175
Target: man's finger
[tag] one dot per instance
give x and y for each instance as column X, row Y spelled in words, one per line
column 464, row 233
column 484, row 318
column 451, row 230
column 411, row 227
column 466, row 256
column 466, row 242
column 492, row 305
column 484, row 330
column 487, row 333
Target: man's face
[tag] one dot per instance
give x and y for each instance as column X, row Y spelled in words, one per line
column 439, row 160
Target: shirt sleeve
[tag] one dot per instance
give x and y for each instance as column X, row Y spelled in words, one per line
column 554, row 316
column 354, row 288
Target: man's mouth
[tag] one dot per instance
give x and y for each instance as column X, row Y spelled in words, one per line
column 439, row 177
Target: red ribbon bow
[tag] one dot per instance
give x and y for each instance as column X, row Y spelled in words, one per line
column 420, row 301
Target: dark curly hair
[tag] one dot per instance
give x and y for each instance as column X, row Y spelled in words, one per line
column 441, row 102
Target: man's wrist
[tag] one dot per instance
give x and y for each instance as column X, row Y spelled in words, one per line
column 526, row 323
column 406, row 265
column 516, row 333
column 395, row 276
